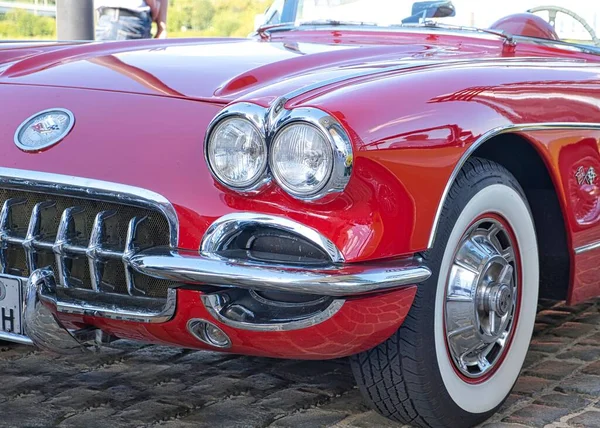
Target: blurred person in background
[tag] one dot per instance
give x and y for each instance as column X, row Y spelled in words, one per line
column 130, row 19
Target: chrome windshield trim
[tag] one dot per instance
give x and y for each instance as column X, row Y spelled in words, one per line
column 225, row 227
column 88, row 188
column 213, row 305
column 346, row 280
column 485, row 137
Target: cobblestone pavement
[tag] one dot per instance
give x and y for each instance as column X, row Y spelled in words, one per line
column 158, row 387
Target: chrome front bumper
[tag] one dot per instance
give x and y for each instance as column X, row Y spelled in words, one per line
column 335, row 280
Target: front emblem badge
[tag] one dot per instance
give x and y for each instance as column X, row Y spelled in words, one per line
column 44, row 129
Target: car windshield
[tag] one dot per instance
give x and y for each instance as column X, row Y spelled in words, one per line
column 573, row 20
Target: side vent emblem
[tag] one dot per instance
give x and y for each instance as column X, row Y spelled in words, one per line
column 584, row 176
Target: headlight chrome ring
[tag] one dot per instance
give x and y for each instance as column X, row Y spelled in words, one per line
column 250, row 121
column 273, row 126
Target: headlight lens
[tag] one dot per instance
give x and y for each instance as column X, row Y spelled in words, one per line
column 301, row 159
column 237, row 153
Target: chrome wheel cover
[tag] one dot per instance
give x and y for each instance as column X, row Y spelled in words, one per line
column 481, row 299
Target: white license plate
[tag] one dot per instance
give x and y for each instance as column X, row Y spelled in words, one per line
column 11, row 304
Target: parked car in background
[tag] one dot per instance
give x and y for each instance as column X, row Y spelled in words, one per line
column 357, row 179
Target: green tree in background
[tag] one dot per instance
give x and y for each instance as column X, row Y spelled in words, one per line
column 21, row 24
column 187, row 18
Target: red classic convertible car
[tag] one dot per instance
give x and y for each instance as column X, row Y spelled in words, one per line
column 400, row 193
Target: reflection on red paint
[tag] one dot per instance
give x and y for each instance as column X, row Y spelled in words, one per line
column 359, row 325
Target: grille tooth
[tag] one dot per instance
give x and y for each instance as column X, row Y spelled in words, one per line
column 103, row 235
column 41, row 215
column 5, row 229
column 133, row 229
column 88, row 243
column 66, row 236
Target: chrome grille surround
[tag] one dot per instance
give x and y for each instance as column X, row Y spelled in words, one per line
column 56, row 220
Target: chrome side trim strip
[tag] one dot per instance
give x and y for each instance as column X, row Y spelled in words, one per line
column 17, row 338
column 88, row 188
column 212, row 303
column 225, row 227
column 588, row 247
column 485, row 137
column 346, row 280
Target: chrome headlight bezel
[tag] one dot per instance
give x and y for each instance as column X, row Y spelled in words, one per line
column 340, row 146
column 269, row 123
column 255, row 116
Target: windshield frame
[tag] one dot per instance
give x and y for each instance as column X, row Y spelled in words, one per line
column 290, row 9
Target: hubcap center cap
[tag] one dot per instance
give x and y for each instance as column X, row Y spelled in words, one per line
column 500, row 299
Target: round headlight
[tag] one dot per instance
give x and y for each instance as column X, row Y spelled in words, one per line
column 301, row 159
column 237, row 153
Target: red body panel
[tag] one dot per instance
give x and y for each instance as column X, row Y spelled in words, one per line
column 142, row 110
column 359, row 325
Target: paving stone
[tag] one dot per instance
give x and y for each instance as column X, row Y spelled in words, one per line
column 236, row 412
column 553, row 317
column 593, row 369
column 593, row 340
column 263, row 382
column 589, row 419
column 549, row 344
column 92, row 418
column 581, row 384
column 371, row 419
column 503, row 425
column 512, row 400
column 216, row 388
column 553, row 369
column 539, row 328
column 19, row 413
column 528, row 385
column 350, row 402
column 533, row 358
column 592, row 317
column 79, row 398
column 572, row 329
column 584, row 353
column 149, row 411
column 309, row 419
column 564, row 401
column 289, row 399
column 537, row 415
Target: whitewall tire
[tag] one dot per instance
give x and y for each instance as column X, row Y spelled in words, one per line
column 461, row 349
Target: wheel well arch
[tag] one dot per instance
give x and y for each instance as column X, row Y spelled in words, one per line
column 520, row 158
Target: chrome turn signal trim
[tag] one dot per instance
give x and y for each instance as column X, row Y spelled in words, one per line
column 222, row 229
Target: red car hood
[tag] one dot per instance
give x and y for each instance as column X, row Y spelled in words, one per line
column 225, row 69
